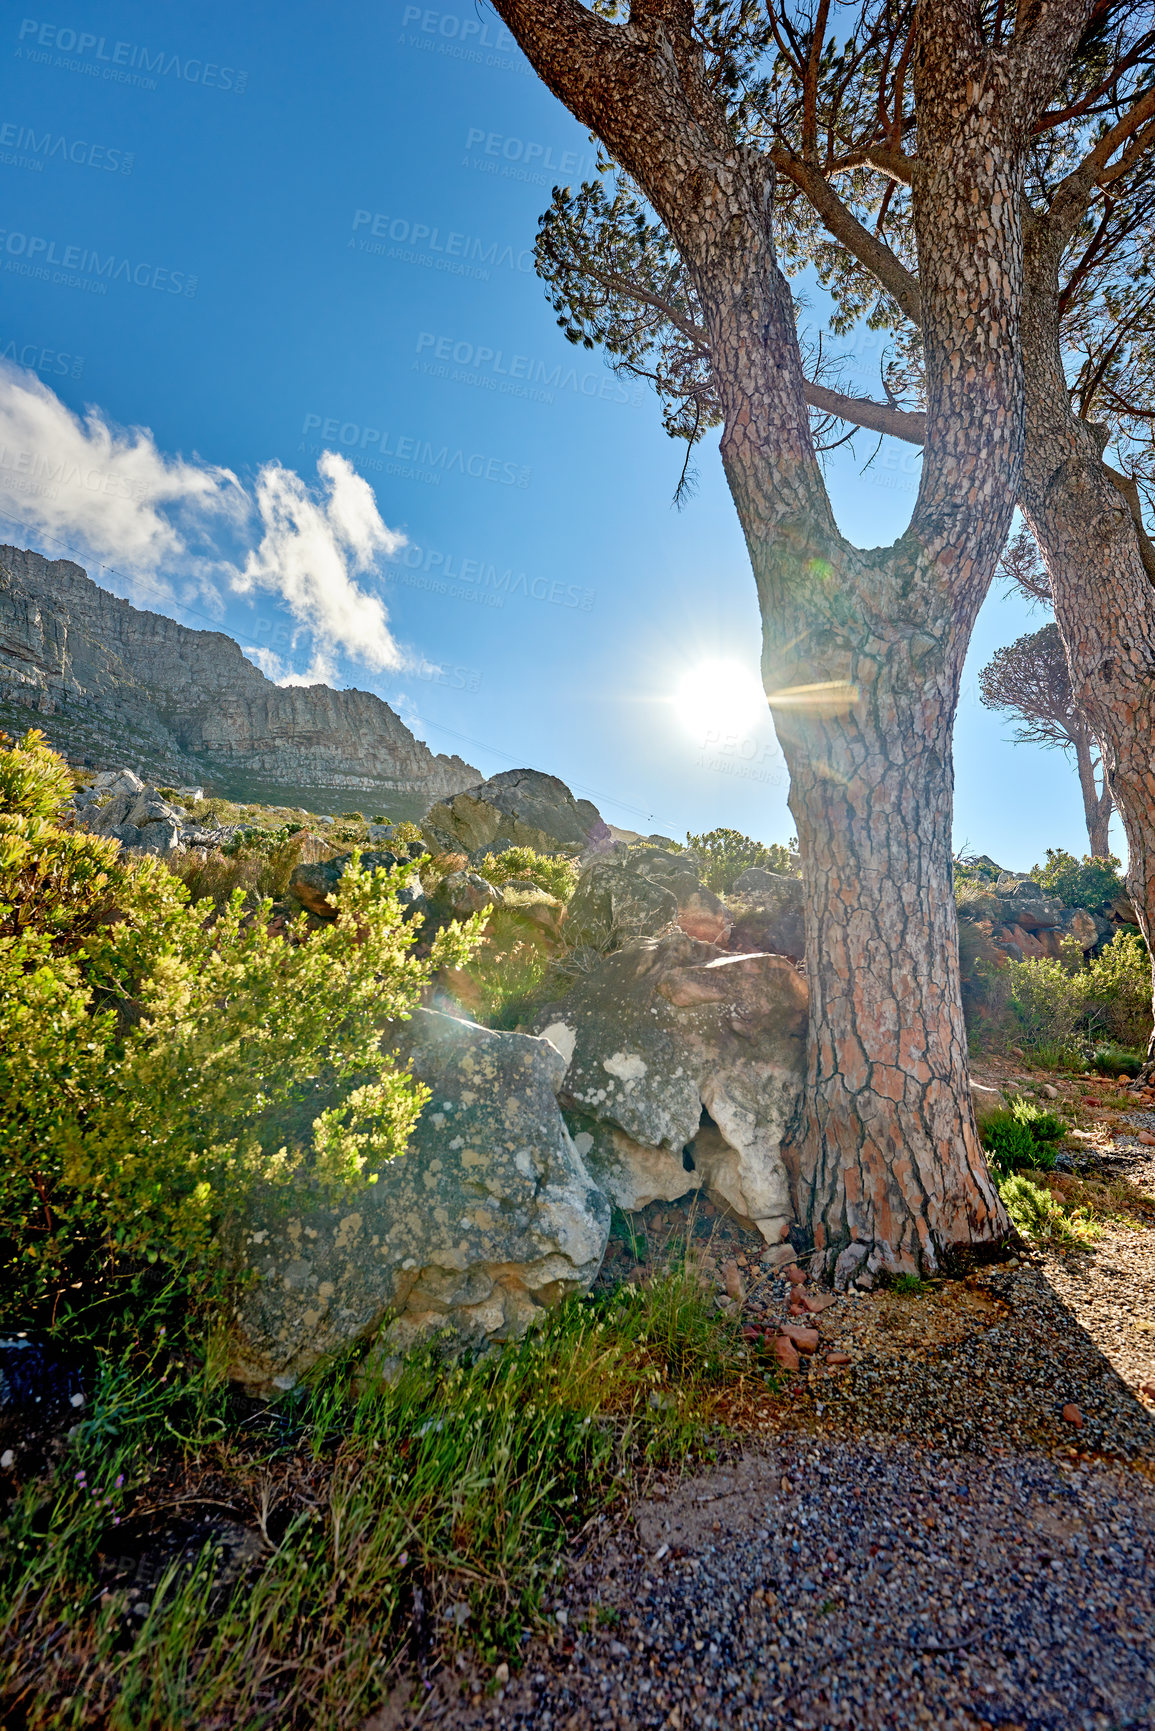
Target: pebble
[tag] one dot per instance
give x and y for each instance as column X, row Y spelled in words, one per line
column 864, row 1585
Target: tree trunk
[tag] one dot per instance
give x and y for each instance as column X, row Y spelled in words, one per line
column 885, row 1159
column 1097, row 806
column 1104, row 601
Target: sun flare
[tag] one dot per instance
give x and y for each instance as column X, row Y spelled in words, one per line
column 718, row 698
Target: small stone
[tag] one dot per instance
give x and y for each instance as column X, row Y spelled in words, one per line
column 803, row 1339
column 1049, row 1090
column 735, row 1285
column 8, row 1459
column 794, row 1275
column 501, row 1675
column 1072, row 1415
column 838, row 1358
column 785, row 1353
column 1147, row 1139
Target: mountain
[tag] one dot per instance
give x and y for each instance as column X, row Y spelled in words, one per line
column 114, row 686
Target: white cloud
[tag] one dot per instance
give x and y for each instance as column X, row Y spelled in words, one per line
column 74, row 479
column 83, row 485
column 310, row 546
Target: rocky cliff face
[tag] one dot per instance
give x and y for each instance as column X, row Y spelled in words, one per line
column 110, row 684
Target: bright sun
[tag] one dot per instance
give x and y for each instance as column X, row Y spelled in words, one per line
column 717, row 698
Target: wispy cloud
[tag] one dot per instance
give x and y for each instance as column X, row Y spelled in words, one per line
column 313, row 544
column 165, row 521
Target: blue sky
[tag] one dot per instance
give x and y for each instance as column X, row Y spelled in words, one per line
column 322, row 221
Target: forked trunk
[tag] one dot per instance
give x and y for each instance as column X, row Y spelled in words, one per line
column 885, row 1159
column 1104, row 601
column 1097, row 806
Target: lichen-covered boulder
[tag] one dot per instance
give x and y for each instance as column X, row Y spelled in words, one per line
column 683, row 1068
column 519, row 808
column 613, row 904
column 769, row 915
column 488, row 1217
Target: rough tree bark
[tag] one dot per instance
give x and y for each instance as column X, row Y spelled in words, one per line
column 1103, row 597
column 862, row 651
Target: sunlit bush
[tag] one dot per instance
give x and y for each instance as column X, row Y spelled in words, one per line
column 156, row 1065
column 727, row 853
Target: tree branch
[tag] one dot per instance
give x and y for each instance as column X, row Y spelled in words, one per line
column 1073, row 193
column 1130, row 492
column 909, row 425
column 1046, row 32
column 867, row 248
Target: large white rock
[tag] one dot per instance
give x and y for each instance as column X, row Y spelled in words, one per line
column 683, row 1068
column 488, row 1217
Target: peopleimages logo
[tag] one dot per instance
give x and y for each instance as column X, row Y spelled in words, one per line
column 483, row 580
column 420, row 243
column 80, row 266
column 425, row 455
column 522, row 159
column 38, row 359
column 120, row 62
column 488, row 369
column 37, row 148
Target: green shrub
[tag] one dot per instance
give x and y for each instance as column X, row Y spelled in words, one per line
column 1080, row 883
column 727, row 853
column 550, row 872
column 1035, row 1213
column 1044, row 1002
column 155, row 1065
column 1008, row 1143
column 503, row 979
column 1120, row 989
column 1114, row 1060
column 1020, row 1135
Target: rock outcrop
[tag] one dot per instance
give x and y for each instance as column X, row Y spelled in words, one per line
column 488, row 1217
column 623, row 895
column 683, row 1067
column 110, row 683
column 519, row 808
column 1015, row 915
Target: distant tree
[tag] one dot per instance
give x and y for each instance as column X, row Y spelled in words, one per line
column 1029, row 680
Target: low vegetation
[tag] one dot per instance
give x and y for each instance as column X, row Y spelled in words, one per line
column 390, row 1518
column 727, row 853
column 156, row 1065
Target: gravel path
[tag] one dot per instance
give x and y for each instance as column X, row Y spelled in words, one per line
column 851, row 1584
column 917, row 1538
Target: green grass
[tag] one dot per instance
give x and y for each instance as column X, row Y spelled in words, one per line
column 436, row 1509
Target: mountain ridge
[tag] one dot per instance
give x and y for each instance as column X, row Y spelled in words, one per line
column 112, row 684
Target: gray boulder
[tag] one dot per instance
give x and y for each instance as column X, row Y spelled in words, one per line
column 683, row 1068
column 771, row 915
column 461, row 894
column 613, row 904
column 489, row 1217
column 519, row 808
column 314, row 885
column 136, row 817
